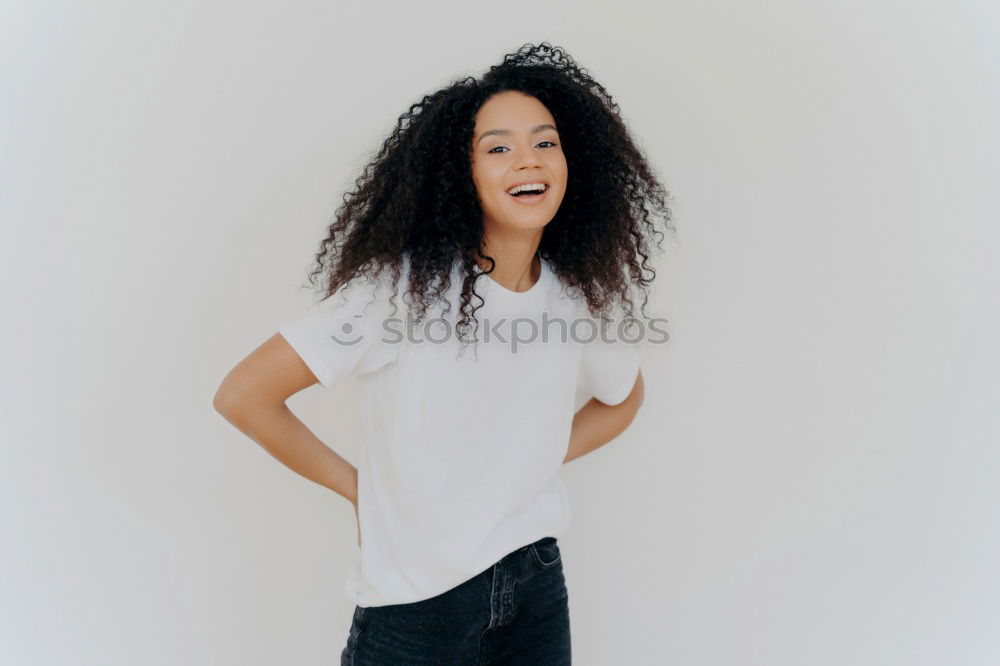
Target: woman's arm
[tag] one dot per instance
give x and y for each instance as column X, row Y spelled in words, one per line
column 597, row 424
column 252, row 397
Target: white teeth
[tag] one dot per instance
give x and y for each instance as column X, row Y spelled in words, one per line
column 538, row 187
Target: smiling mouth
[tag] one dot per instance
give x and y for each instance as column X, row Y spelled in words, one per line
column 530, row 196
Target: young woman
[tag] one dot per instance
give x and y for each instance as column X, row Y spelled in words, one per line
column 514, row 207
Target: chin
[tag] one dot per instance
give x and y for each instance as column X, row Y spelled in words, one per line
column 536, row 222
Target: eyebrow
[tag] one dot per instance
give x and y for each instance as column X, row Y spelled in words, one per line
column 505, row 132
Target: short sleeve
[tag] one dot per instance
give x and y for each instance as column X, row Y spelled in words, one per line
column 345, row 334
column 608, row 370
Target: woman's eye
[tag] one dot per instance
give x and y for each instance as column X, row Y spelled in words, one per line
column 498, row 147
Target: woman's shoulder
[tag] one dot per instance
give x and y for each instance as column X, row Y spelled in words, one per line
column 379, row 289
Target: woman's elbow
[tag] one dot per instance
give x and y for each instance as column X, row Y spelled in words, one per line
column 638, row 391
column 233, row 396
column 226, row 401
column 262, row 381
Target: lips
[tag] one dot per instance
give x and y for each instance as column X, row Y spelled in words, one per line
column 528, row 199
column 533, row 181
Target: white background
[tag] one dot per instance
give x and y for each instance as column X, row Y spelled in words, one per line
column 812, row 479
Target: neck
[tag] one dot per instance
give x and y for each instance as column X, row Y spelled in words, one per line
column 518, row 266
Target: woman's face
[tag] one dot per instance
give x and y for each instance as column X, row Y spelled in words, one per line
column 515, row 141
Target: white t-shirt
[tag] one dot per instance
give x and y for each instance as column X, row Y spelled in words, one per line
column 460, row 453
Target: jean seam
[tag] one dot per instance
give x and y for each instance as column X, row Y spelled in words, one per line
column 493, row 591
column 543, row 563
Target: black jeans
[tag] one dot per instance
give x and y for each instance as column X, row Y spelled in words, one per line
column 515, row 612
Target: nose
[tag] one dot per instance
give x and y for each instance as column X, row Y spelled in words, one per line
column 528, row 158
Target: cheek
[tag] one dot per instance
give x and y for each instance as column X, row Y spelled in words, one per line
column 486, row 182
column 558, row 167
column 483, row 190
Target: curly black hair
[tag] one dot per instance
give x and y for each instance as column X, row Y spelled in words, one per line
column 408, row 200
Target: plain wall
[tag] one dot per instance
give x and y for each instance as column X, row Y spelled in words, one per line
column 812, row 478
